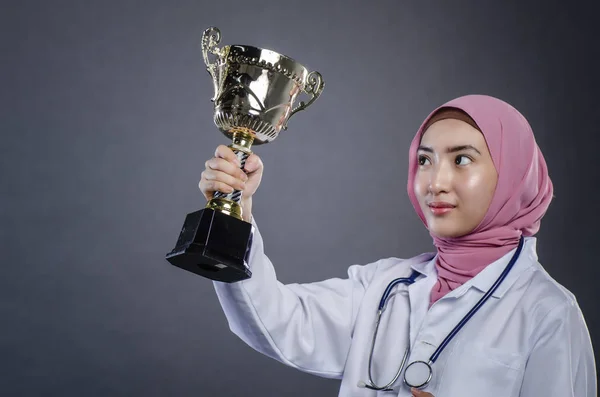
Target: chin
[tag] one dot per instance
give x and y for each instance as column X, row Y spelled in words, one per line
column 447, row 235
column 451, row 225
column 439, row 234
column 445, row 231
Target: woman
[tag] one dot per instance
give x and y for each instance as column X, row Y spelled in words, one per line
column 479, row 183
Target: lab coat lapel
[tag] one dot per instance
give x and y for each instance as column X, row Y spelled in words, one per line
column 419, row 296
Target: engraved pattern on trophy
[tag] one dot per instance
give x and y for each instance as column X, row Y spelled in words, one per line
column 238, row 106
column 254, row 94
column 258, row 93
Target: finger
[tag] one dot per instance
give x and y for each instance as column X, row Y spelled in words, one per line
column 420, row 393
column 253, row 163
column 217, row 186
column 220, row 176
column 226, row 153
column 219, row 164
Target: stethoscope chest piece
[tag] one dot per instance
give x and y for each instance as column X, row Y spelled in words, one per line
column 418, row 374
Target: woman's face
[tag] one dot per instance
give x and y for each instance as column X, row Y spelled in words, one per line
column 455, row 179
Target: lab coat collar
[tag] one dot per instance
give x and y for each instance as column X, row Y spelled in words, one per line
column 426, row 268
column 488, row 276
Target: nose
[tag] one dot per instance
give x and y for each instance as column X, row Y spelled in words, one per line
column 440, row 178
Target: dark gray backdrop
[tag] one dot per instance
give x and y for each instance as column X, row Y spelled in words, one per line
column 106, row 124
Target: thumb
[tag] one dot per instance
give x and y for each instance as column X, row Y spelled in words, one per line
column 253, row 163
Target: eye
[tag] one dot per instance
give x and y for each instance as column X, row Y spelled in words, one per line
column 461, row 159
column 423, row 160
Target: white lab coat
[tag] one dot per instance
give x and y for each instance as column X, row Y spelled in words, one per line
column 529, row 339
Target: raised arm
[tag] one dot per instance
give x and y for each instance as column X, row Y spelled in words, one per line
column 306, row 326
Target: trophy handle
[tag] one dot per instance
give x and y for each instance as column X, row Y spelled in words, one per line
column 210, row 38
column 314, row 87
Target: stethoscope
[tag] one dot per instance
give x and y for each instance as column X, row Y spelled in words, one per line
column 418, row 374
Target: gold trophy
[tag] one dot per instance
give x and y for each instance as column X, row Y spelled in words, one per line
column 255, row 90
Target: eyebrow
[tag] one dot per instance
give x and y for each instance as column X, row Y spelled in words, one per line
column 452, row 149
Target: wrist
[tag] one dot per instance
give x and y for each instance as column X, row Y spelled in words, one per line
column 246, row 204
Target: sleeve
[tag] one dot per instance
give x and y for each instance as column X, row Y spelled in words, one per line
column 561, row 362
column 306, row 326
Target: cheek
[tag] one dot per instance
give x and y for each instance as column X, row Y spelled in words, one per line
column 478, row 185
column 420, row 187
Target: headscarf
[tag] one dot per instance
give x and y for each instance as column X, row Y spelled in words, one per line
column 522, row 196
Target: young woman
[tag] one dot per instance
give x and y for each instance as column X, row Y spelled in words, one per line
column 479, row 317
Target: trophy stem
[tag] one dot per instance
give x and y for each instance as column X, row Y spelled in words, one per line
column 229, row 203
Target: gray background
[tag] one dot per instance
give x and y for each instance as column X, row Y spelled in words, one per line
column 106, row 124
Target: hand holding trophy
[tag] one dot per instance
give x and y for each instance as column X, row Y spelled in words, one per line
column 254, row 93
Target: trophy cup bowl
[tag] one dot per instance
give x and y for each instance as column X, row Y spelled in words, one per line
column 254, row 94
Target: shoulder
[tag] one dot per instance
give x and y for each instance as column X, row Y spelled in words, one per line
column 535, row 290
column 547, row 292
column 548, row 304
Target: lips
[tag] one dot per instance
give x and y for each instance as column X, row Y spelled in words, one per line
column 440, row 204
column 440, row 208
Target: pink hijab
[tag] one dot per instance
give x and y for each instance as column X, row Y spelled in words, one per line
column 522, row 195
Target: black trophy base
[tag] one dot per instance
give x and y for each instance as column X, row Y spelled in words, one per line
column 213, row 245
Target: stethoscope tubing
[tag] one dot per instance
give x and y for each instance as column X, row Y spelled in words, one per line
column 410, row 280
column 478, row 305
